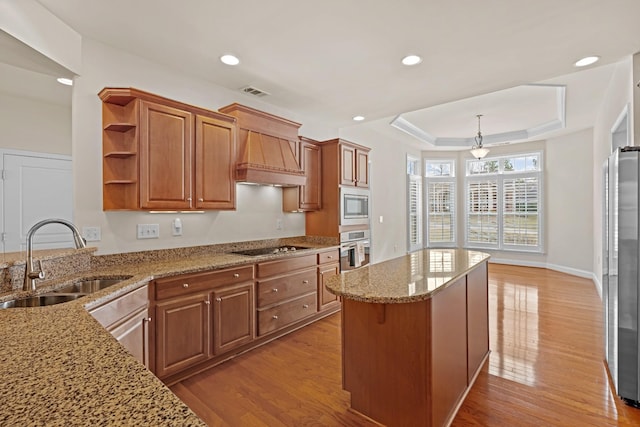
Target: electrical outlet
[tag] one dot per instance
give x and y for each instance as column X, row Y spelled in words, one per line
column 279, row 224
column 91, row 234
column 148, row 231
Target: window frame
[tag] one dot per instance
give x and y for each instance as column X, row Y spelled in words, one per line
column 500, row 176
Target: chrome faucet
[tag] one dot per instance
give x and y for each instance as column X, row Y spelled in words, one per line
column 30, row 275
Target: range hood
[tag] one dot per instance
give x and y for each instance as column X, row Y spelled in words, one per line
column 267, row 147
column 269, row 160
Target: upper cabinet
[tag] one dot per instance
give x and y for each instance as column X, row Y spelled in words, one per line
column 307, row 197
column 354, row 164
column 160, row 154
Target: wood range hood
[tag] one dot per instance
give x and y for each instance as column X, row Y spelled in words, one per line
column 267, row 147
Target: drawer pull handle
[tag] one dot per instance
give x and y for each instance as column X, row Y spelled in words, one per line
column 274, row 290
column 305, row 306
column 185, row 285
column 147, row 319
column 330, row 256
column 275, row 317
column 236, row 275
column 207, row 302
column 219, row 299
column 305, row 282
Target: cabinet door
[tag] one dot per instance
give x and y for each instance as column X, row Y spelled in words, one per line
column 347, row 164
column 133, row 334
column 215, row 161
column 165, row 157
column 310, row 193
column 182, row 333
column 233, row 317
column 362, row 168
column 325, row 298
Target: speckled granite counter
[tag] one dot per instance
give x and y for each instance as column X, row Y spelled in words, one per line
column 60, row 367
column 413, row 277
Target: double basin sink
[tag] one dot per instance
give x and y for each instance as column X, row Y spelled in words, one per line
column 64, row 294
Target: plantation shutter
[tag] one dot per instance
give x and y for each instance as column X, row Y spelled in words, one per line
column 482, row 211
column 441, row 212
column 415, row 212
column 520, row 211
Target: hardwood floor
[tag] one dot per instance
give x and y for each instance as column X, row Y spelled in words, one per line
column 545, row 367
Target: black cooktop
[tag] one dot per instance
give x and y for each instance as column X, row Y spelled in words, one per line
column 276, row 250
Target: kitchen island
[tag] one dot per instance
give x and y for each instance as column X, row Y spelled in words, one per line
column 414, row 335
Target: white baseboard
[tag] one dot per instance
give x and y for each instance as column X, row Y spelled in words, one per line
column 561, row 268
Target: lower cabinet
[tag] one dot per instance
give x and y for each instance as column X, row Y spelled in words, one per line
column 199, row 316
column 202, row 319
column 182, row 333
column 287, row 292
column 233, row 317
column 127, row 318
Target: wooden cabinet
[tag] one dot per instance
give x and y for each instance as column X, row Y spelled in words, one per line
column 200, row 316
column 182, row 333
column 287, row 292
column 328, row 266
column 233, row 317
column 306, row 197
column 160, row 154
column 344, row 163
column 354, row 165
column 127, row 319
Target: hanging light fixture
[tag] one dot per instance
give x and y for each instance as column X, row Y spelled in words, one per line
column 478, row 151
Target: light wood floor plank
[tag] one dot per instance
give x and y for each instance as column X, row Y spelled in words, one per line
column 545, row 369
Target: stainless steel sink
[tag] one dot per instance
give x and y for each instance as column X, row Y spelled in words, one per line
column 40, row 300
column 89, row 285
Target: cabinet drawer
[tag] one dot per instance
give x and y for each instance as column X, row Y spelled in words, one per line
column 284, row 314
column 272, row 268
column 328, row 256
column 121, row 307
column 282, row 288
column 182, row 285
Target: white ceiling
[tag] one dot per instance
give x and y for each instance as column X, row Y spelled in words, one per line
column 335, row 59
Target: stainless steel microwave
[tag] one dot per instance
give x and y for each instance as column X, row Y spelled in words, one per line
column 354, row 206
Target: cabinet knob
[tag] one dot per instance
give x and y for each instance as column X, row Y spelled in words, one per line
column 275, row 317
column 305, row 306
column 185, row 285
column 201, row 199
column 330, row 256
column 219, row 299
column 207, row 302
column 305, row 282
column 236, row 275
column 147, row 319
column 188, row 199
column 274, row 290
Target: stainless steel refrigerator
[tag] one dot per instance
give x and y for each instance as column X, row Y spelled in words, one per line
column 621, row 271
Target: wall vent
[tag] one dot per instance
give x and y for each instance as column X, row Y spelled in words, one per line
column 254, row 91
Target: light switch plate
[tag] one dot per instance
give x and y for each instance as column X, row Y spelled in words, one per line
column 148, row 231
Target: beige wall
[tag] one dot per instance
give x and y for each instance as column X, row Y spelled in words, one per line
column 32, row 125
column 619, row 95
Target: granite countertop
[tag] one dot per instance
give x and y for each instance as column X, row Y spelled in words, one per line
column 413, row 277
column 60, row 367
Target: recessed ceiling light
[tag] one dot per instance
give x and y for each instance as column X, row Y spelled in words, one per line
column 230, row 59
column 65, row 81
column 411, row 60
column 358, row 118
column 587, row 61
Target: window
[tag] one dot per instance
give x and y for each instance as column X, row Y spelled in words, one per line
column 503, row 203
column 441, row 202
column 414, row 204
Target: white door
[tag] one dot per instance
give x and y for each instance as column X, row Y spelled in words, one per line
column 36, row 188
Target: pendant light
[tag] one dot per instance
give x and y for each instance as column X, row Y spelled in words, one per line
column 478, row 151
